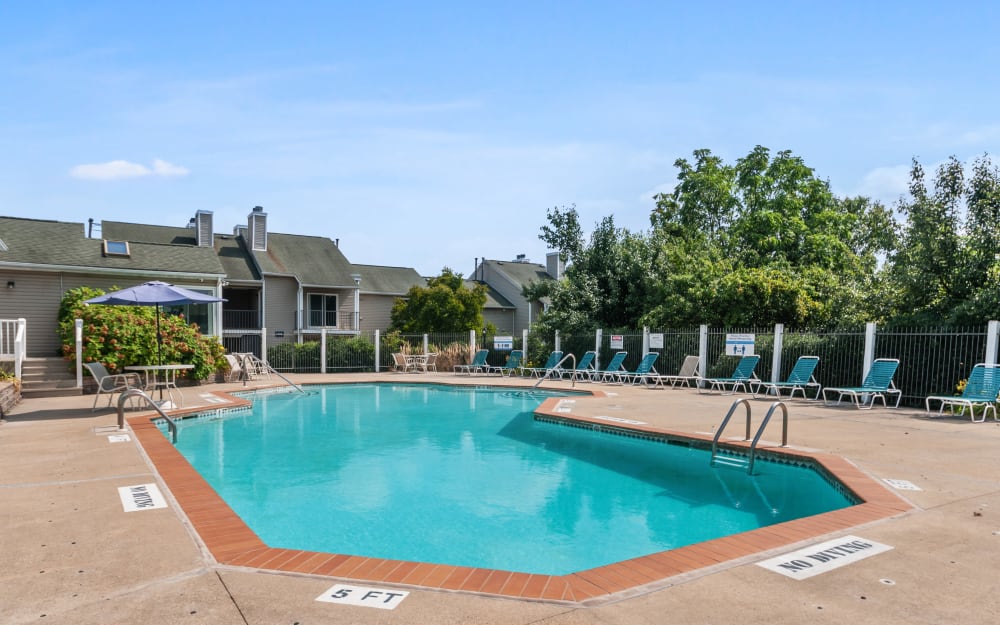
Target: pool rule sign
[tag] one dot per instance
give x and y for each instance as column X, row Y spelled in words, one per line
column 739, row 344
column 364, row 596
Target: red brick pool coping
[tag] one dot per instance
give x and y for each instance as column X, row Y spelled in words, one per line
column 232, row 543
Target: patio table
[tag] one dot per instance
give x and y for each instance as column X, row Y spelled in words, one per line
column 168, row 381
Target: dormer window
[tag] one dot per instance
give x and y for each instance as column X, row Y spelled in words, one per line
column 116, row 248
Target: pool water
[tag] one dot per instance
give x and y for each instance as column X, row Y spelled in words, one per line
column 467, row 477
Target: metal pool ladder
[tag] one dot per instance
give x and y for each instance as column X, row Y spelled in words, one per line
column 135, row 392
column 735, row 461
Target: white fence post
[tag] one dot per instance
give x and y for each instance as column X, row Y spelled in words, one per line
column 263, row 344
column 472, row 341
column 703, row 352
column 992, row 333
column 425, row 343
column 557, row 345
column 597, row 350
column 779, row 341
column 645, row 340
column 524, row 344
column 20, row 346
column 378, row 350
column 869, row 357
column 78, row 325
column 322, row 350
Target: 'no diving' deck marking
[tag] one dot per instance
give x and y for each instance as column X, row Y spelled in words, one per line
column 364, row 596
column 823, row 557
column 141, row 497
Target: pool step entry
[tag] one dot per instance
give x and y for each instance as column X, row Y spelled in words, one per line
column 735, row 462
column 729, row 460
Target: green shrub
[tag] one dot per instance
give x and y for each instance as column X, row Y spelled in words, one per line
column 118, row 336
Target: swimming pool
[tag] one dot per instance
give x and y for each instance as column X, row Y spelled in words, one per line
column 466, row 476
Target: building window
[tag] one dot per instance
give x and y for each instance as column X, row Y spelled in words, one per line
column 201, row 314
column 322, row 310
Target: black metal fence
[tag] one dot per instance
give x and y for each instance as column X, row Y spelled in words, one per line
column 932, row 360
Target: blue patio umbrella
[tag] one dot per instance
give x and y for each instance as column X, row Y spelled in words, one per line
column 154, row 293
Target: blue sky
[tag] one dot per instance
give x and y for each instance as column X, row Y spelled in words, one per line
column 428, row 134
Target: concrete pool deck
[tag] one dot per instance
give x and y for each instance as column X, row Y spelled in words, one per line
column 70, row 553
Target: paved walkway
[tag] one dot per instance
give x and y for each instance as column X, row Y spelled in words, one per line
column 69, row 554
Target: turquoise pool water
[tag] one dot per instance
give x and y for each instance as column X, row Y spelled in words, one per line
column 466, row 476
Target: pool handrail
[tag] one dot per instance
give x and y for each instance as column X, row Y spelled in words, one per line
column 557, row 369
column 760, row 430
column 277, row 373
column 136, row 392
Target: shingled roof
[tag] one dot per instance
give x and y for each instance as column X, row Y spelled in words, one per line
column 388, row 280
column 42, row 242
column 315, row 261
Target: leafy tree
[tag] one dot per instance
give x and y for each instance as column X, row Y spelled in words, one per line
column 761, row 241
column 947, row 269
column 444, row 305
column 607, row 283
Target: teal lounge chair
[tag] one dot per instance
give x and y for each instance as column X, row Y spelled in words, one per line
column 742, row 376
column 612, row 370
column 584, row 369
column 476, row 366
column 799, row 379
column 981, row 389
column 644, row 372
column 549, row 365
column 687, row 374
column 508, row 368
column 876, row 385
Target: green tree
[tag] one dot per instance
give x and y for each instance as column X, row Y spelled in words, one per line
column 761, row 241
column 444, row 305
column 947, row 268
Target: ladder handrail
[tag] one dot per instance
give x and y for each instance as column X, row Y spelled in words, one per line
column 245, row 375
column 722, row 426
column 556, row 368
column 135, row 392
column 760, row 430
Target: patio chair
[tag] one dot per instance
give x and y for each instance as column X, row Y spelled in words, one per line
column 876, row 385
column 612, row 370
column 799, row 379
column 400, row 363
column 429, row 363
column 477, row 365
column 508, row 368
column 235, row 368
column 549, row 365
column 584, row 369
column 644, row 372
column 254, row 367
column 741, row 377
column 687, row 374
column 111, row 383
column 981, row 389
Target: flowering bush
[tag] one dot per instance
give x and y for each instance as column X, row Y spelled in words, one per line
column 118, row 336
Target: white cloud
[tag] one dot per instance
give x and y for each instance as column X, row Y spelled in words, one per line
column 886, row 183
column 163, row 168
column 112, row 170
column 119, row 170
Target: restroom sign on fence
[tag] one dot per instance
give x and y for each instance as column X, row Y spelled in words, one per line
column 739, row 344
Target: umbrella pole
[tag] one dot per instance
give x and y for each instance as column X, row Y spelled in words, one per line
column 159, row 358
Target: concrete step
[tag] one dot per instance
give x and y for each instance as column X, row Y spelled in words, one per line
column 27, row 393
